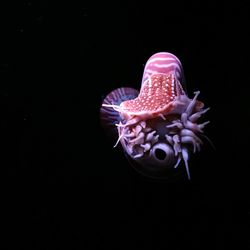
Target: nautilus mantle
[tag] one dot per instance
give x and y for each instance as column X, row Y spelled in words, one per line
column 159, row 126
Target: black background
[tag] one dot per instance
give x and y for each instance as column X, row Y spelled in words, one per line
column 63, row 184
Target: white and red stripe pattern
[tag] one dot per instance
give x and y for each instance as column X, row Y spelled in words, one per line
column 164, row 63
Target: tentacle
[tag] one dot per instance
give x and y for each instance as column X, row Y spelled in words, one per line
column 178, row 161
column 143, row 124
column 191, row 105
column 185, row 156
column 115, row 107
column 147, row 129
column 175, row 124
column 210, row 142
column 155, row 139
column 130, row 135
column 201, row 126
column 140, row 153
column 190, row 140
column 121, row 135
column 150, row 135
column 132, row 121
column 189, row 125
column 138, row 129
column 187, row 132
column 194, row 117
column 162, row 116
column 169, row 139
column 139, row 139
column 146, row 146
column 177, row 146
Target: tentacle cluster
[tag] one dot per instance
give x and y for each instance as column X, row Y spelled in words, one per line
column 182, row 134
column 137, row 139
column 185, row 131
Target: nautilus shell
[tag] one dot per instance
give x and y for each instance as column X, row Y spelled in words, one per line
column 157, row 127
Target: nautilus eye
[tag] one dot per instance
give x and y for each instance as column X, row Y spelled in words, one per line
column 157, row 127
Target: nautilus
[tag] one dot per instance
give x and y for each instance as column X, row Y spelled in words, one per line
column 159, row 126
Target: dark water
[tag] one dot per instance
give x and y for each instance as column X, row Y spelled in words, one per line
column 63, row 184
